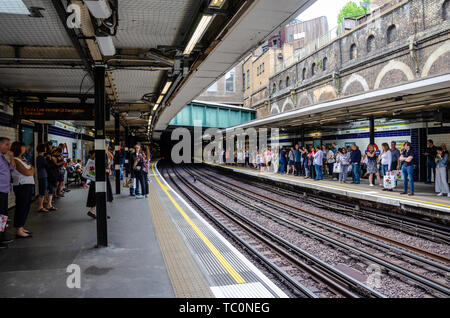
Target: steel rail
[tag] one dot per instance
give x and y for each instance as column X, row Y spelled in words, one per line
column 326, row 269
column 369, row 214
column 259, row 197
column 425, row 281
column 423, row 252
column 256, row 254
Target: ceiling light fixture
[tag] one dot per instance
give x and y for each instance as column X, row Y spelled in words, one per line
column 160, row 99
column 166, row 88
column 216, row 4
column 198, row 34
column 106, row 45
column 99, row 8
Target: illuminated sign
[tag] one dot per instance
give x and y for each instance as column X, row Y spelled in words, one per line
column 43, row 111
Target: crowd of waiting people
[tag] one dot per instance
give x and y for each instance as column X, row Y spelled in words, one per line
column 50, row 169
column 18, row 174
column 317, row 162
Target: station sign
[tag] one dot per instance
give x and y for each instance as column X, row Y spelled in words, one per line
column 45, row 111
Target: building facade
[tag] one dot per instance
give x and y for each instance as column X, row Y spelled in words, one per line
column 227, row 90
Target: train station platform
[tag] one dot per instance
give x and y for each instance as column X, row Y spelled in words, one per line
column 424, row 202
column 158, row 248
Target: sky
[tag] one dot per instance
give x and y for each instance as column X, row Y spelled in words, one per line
column 328, row 8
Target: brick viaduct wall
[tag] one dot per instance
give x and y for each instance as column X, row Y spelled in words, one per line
column 408, row 42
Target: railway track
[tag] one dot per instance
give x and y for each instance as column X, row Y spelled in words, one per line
column 296, row 269
column 274, row 205
column 436, row 231
column 247, row 198
column 416, row 227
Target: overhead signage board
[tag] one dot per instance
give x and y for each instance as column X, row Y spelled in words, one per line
column 45, row 111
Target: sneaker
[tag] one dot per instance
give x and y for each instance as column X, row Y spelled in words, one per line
column 411, row 194
column 372, row 185
column 139, row 197
column 448, row 195
column 92, row 215
column 404, row 193
column 440, row 194
column 146, row 196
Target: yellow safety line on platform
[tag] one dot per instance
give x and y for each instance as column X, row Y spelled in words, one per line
column 238, row 278
column 352, row 189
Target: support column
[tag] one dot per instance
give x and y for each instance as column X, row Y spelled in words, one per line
column 127, row 151
column 100, row 156
column 372, row 130
column 40, row 133
column 45, row 132
column 117, row 151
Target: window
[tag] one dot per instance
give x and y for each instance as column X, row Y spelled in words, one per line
column 274, row 89
column 324, row 64
column 229, row 82
column 288, row 81
column 391, row 34
column 257, row 71
column 446, row 10
column 313, row 69
column 263, row 67
column 248, row 78
column 212, row 88
column 280, row 85
column 353, row 51
column 304, row 74
column 370, row 43
column 243, row 81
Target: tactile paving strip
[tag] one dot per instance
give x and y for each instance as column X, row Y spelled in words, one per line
column 187, row 280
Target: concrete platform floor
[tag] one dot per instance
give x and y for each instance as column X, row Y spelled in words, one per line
column 132, row 265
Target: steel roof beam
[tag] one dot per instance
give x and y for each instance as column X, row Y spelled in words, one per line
column 84, row 55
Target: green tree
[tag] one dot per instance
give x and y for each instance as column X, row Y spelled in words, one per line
column 351, row 9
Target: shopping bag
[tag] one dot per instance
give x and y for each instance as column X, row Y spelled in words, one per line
column 398, row 175
column 3, row 220
column 89, row 170
column 337, row 168
column 389, row 182
column 128, row 182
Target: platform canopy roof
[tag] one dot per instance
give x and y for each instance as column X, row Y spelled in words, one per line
column 46, row 56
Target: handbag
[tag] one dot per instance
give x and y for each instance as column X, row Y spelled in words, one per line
column 398, row 175
column 337, row 168
column 3, row 221
column 389, row 182
column 128, row 182
column 89, row 170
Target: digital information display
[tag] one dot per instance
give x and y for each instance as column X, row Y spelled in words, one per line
column 42, row 111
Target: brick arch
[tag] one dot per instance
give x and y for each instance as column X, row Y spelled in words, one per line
column 304, row 97
column 443, row 49
column 394, row 65
column 288, row 105
column 325, row 93
column 355, row 78
column 275, row 109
